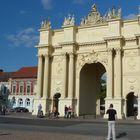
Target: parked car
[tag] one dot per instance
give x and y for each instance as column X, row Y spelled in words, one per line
column 20, row 109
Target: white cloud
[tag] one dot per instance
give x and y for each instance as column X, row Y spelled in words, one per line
column 47, row 4
column 130, row 16
column 26, row 37
column 22, row 12
column 78, row 1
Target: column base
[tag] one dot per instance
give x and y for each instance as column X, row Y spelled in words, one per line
column 117, row 105
column 138, row 116
column 46, row 105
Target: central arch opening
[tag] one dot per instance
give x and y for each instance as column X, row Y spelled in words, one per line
column 91, row 97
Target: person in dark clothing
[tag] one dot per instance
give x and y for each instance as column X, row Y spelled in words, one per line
column 66, row 111
column 111, row 122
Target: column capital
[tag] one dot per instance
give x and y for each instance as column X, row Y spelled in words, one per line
column 71, row 54
column 110, row 51
column 46, row 55
column 64, row 54
column 118, row 50
column 40, row 55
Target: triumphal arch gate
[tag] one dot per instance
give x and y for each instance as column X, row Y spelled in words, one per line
column 71, row 61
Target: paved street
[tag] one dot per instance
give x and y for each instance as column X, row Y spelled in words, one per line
column 26, row 127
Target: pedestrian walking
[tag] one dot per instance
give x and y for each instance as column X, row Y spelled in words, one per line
column 40, row 112
column 66, row 111
column 111, row 122
column 69, row 112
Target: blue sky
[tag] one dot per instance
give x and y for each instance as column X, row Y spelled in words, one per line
column 20, row 21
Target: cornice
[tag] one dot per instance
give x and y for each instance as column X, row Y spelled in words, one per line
column 131, row 47
column 69, row 26
column 95, row 43
column 67, row 43
column 43, row 46
column 137, row 35
column 114, row 19
column 130, row 39
column 113, row 38
column 90, row 25
column 57, row 47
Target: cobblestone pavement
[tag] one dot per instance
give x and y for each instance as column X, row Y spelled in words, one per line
column 20, row 135
column 24, row 135
column 29, row 135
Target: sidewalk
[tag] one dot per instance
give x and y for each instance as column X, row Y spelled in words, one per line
column 127, row 121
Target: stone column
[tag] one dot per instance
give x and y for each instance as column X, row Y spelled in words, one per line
column 46, row 77
column 118, row 74
column 138, row 117
column 110, row 74
column 65, row 75
column 71, row 76
column 39, row 76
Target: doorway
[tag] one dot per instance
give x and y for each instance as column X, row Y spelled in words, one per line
column 132, row 104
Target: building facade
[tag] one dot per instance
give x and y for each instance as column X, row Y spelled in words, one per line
column 22, row 88
column 71, row 61
column 4, row 87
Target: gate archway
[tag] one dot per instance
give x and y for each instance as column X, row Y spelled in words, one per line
column 90, row 87
column 56, row 100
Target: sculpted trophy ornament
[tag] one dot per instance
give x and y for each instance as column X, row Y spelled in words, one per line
column 94, row 17
column 114, row 13
column 69, row 21
column 46, row 24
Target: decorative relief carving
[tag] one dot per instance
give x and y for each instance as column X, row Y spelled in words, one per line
column 57, row 86
column 132, row 52
column 58, row 58
column 94, row 17
column 59, row 68
column 91, row 58
column 132, row 80
column 132, row 64
column 132, row 83
column 58, row 82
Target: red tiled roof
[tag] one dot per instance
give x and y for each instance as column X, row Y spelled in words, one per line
column 4, row 76
column 26, row 72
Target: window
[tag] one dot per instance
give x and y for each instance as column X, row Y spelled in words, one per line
column 21, row 89
column 20, row 102
column 27, row 102
column 28, row 89
column 14, row 89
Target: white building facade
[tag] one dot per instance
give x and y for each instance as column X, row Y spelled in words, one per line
column 71, row 61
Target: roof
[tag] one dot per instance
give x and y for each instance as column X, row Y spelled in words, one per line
column 26, row 72
column 4, row 76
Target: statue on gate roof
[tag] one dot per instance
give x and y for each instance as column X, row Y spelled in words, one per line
column 69, row 21
column 46, row 24
column 94, row 17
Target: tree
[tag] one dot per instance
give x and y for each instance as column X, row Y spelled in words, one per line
column 4, row 93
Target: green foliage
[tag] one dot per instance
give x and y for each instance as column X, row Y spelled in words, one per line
column 4, row 93
column 103, row 89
